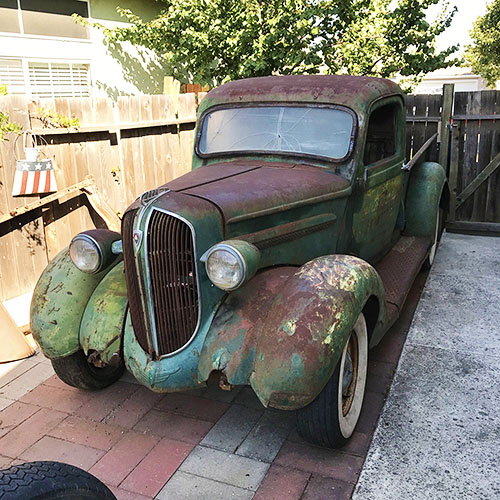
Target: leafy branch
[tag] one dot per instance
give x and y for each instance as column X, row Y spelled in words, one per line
column 53, row 119
column 6, row 126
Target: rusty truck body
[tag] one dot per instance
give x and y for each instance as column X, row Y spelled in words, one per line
column 277, row 262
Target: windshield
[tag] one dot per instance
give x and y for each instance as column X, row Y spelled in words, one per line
column 317, row 131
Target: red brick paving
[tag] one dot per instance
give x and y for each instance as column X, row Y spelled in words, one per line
column 282, row 483
column 309, row 458
column 321, row 487
column 105, row 401
column 134, row 439
column 174, row 426
column 56, row 398
column 88, row 433
column 50, row 448
column 123, row 458
column 372, row 405
column 157, row 467
column 29, row 432
column 134, row 408
column 193, row 406
column 15, row 414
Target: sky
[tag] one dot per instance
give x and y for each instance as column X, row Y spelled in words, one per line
column 458, row 32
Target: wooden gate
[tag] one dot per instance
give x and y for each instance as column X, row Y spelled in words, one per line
column 468, row 127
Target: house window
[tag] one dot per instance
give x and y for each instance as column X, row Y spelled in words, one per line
column 55, row 79
column 42, row 17
column 12, row 75
column 45, row 78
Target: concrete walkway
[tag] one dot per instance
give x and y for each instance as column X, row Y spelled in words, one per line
column 439, row 433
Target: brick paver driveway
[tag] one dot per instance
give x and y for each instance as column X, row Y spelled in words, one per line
column 206, row 444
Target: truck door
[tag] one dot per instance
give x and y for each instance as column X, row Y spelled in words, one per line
column 380, row 181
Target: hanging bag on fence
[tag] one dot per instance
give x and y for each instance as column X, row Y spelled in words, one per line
column 33, row 175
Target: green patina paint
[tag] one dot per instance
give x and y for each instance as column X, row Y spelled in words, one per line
column 289, row 327
column 297, row 365
column 426, row 185
column 59, row 301
column 104, row 315
column 242, row 373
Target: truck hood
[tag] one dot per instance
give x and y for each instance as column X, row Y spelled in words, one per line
column 248, row 189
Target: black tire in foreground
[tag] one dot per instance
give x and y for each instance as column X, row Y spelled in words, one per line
column 76, row 371
column 331, row 418
column 50, row 481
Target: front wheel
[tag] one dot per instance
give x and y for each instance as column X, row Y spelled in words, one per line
column 50, row 481
column 76, row 371
column 332, row 417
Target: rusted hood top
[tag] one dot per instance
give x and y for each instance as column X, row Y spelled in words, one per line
column 355, row 92
column 245, row 189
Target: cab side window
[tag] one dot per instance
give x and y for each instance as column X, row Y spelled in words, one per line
column 381, row 135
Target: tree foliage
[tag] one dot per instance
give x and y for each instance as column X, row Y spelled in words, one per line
column 484, row 53
column 212, row 41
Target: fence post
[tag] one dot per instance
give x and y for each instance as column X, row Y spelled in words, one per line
column 454, row 154
column 446, row 113
column 172, row 87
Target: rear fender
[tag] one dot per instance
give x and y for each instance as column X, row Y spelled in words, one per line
column 58, row 304
column 427, row 186
column 103, row 319
column 303, row 335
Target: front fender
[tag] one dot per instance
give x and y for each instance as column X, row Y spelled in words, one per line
column 302, row 337
column 230, row 344
column 103, row 319
column 426, row 184
column 59, row 300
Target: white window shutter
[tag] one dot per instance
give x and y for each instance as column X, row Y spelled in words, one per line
column 51, row 79
column 11, row 74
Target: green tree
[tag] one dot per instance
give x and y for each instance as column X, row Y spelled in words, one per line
column 212, row 41
column 484, row 53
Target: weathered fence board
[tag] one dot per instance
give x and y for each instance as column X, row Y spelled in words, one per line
column 135, row 145
column 422, row 119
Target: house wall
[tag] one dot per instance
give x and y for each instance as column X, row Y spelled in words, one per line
column 113, row 70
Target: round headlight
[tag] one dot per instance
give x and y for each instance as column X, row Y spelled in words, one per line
column 85, row 254
column 225, row 267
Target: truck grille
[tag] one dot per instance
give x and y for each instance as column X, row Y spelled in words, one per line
column 173, row 280
column 173, row 286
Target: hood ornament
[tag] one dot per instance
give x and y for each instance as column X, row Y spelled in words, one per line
column 152, row 194
column 137, row 239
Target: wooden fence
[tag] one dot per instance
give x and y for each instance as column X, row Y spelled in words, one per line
column 142, row 142
column 128, row 147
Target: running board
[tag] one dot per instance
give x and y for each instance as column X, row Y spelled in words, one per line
column 398, row 270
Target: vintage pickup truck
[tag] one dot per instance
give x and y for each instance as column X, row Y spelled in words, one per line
column 283, row 255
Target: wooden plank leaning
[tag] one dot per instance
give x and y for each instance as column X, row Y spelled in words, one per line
column 427, row 144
